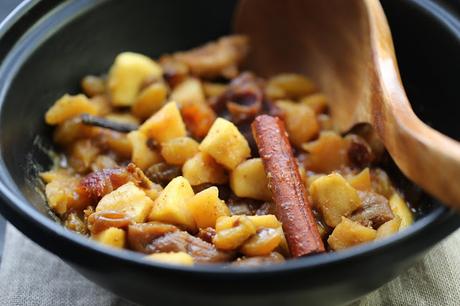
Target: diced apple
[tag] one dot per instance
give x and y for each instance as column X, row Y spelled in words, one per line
column 400, row 209
column 248, row 180
column 114, row 237
column 165, row 124
column 262, row 243
column 361, row 181
column 226, row 144
column 300, row 120
column 206, row 207
column 189, row 91
column 327, row 153
column 202, row 168
column 334, row 197
column 142, row 155
column 150, row 100
column 291, row 85
column 389, row 228
column 128, row 199
column 172, row 204
column 68, row 107
column 177, row 151
column 316, row 102
column 173, row 258
column 232, row 238
column 127, row 75
column 348, row 233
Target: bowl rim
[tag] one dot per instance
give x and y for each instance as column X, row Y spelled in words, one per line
column 23, row 215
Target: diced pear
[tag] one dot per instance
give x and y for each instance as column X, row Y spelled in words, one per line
column 206, row 207
column 334, row 197
column 202, row 168
column 316, row 102
column 68, row 107
column 128, row 199
column 348, row 233
column 226, row 144
column 171, row 206
column 173, row 258
column 114, row 237
column 248, row 180
column 127, row 75
column 165, row 124
column 291, row 85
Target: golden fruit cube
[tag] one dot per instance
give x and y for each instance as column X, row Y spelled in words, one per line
column 177, row 151
column 172, row 207
column 206, row 207
column 226, row 144
column 348, row 233
column 334, row 197
column 202, row 168
column 128, row 199
column 127, row 74
column 150, row 100
column 300, row 120
column 68, row 107
column 142, row 155
column 248, row 180
column 173, row 258
column 165, row 124
column 361, row 181
column 389, row 228
column 189, row 91
column 399, row 208
column 113, row 237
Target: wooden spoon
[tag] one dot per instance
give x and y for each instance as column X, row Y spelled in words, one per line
column 346, row 47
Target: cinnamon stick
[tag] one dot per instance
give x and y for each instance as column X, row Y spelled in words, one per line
column 292, row 206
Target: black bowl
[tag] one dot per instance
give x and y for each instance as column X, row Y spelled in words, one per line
column 47, row 46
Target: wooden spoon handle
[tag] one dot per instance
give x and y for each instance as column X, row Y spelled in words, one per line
column 426, row 156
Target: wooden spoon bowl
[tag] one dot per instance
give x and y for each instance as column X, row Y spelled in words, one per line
column 347, row 48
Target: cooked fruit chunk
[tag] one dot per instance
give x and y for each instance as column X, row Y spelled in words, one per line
column 172, row 204
column 68, row 107
column 206, row 207
column 300, row 120
column 127, row 74
column 400, row 209
column 316, row 102
column 177, row 151
column 248, row 180
column 262, row 243
column 374, row 211
column 93, row 85
column 142, row 155
column 361, row 181
column 82, row 153
column 150, row 100
column 202, row 168
column 327, row 153
column 334, row 197
column 189, row 91
column 173, row 258
column 61, row 194
column 180, row 241
column 348, row 233
column 226, row 144
column 389, row 228
column 114, row 237
column 291, row 85
column 165, row 124
column 129, row 199
column 231, row 238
